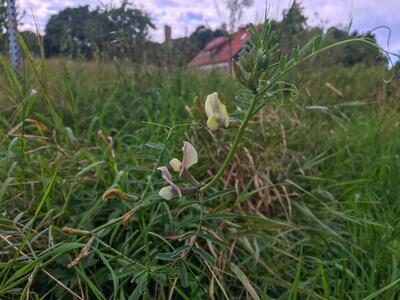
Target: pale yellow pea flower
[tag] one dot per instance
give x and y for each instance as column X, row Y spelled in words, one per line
column 216, row 112
column 189, row 159
column 171, row 191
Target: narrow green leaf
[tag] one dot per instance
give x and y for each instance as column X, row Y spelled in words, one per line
column 183, row 275
column 282, row 63
column 374, row 295
column 213, row 239
column 90, row 167
column 4, row 187
column 296, row 54
column 173, row 255
column 317, row 43
column 219, row 194
column 245, row 281
column 89, row 282
column 204, row 255
column 46, row 194
column 296, row 284
column 325, row 285
column 158, row 146
column 113, row 276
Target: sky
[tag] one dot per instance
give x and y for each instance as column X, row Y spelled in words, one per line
column 185, row 15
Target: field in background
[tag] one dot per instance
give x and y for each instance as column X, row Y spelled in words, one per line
column 310, row 207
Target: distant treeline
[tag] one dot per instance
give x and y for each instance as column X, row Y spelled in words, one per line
column 108, row 33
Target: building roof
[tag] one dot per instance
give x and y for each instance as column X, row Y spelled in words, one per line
column 219, row 51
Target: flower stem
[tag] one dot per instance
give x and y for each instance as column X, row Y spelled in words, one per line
column 235, row 144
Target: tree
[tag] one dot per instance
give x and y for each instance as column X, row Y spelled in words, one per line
column 64, row 33
column 202, row 35
column 293, row 32
column 130, row 29
column 235, row 8
column 3, row 20
column 294, row 20
column 189, row 47
column 3, row 16
column 79, row 32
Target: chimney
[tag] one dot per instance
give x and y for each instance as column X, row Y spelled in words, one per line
column 168, row 34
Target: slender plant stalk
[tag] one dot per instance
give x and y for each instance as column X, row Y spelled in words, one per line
column 235, row 144
column 139, row 205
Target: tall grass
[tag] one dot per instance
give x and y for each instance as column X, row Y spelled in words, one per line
column 308, row 209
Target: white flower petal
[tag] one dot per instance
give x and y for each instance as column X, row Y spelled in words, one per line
column 167, row 193
column 213, row 122
column 216, row 112
column 225, row 116
column 175, row 164
column 176, row 190
column 211, row 105
column 189, row 156
column 166, row 174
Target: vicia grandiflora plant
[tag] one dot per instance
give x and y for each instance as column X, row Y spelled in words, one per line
column 260, row 71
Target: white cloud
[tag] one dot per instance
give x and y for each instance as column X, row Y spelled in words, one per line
column 42, row 10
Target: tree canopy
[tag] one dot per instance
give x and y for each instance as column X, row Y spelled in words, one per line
column 79, row 32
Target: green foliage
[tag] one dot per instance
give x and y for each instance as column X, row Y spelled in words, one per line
column 79, row 32
column 236, row 8
column 3, row 16
column 293, row 31
column 294, row 21
column 3, row 26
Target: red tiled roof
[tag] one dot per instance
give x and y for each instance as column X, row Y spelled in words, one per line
column 215, row 42
column 217, row 50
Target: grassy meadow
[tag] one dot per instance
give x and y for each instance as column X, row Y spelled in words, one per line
column 307, row 209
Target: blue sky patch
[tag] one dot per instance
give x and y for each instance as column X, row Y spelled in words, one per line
column 194, row 16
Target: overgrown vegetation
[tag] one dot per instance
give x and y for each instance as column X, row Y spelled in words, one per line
column 306, row 209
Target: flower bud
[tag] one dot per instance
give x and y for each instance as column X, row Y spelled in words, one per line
column 238, row 73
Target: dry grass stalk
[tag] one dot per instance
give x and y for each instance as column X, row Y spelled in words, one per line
column 84, row 252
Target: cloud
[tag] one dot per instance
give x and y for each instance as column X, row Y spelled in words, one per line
column 185, row 15
column 42, row 10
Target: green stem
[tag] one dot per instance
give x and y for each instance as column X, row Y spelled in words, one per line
column 170, row 133
column 235, row 144
column 137, row 208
